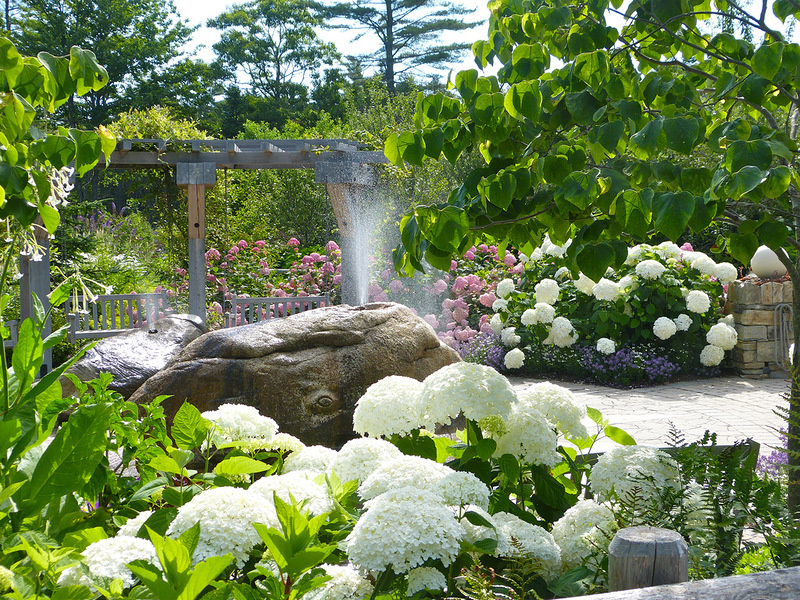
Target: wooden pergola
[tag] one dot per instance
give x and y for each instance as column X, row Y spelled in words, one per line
column 341, row 165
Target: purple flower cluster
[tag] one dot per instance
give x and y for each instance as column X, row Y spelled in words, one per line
column 484, row 348
column 773, row 465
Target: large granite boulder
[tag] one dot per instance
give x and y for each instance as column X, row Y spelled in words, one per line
column 305, row 371
column 135, row 356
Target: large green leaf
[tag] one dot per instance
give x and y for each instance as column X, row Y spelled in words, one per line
column 86, row 71
column 650, row 140
column 773, row 234
column 767, row 60
column 742, row 246
column 777, row 182
column 240, row 465
column 582, row 107
column 10, row 61
column 592, row 68
column 189, row 428
column 702, row 215
column 69, row 461
column 444, row 226
column 741, row 153
column 681, row 134
column 89, row 148
column 672, row 213
column 743, row 181
column 524, row 100
column 579, row 189
column 498, row 189
column 27, row 356
column 593, row 260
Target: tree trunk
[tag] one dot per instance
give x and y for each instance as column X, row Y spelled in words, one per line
column 388, row 46
column 793, row 421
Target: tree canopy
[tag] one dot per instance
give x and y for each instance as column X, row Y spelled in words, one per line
column 408, row 31
column 592, row 128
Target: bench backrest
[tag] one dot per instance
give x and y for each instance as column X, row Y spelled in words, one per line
column 12, row 340
column 252, row 310
column 112, row 314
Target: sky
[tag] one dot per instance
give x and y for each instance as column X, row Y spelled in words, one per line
column 198, row 13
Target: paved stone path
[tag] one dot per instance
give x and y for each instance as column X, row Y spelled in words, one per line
column 735, row 408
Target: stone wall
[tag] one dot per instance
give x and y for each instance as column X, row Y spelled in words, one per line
column 753, row 306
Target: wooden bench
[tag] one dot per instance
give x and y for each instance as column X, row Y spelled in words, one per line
column 245, row 311
column 112, row 314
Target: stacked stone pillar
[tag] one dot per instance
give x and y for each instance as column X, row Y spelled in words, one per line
column 753, row 303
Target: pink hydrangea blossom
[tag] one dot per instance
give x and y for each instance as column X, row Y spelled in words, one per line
column 440, row 286
column 331, row 247
column 469, row 255
column 687, row 247
column 483, row 248
column 234, row 250
column 293, row 242
column 509, row 260
column 431, row 320
column 395, row 286
column 328, row 267
column 259, row 244
column 487, row 299
column 337, row 279
column 448, row 303
column 386, row 274
column 517, row 269
column 242, row 244
column 212, row 253
column 453, row 265
column 217, row 308
column 459, row 285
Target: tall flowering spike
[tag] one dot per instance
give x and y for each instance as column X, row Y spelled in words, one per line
column 477, row 391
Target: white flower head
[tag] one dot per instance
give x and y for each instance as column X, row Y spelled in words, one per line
column 134, row 524
column 705, row 264
column 505, row 288
column 284, row 442
column 403, row 530
column 425, row 578
column 345, row 583
column 712, row 355
column 697, row 301
column 529, row 436
column 500, row 305
column 558, row 405
column 531, row 542
column 585, row 529
column 584, row 284
column 509, row 337
column 389, row 406
column 313, row 496
column 726, row 273
column 627, row 284
column 650, row 269
column 241, row 423
column 360, row 457
column 683, row 322
column 664, row 328
column 108, row 559
column 562, row 333
column 605, row 289
column 628, row 471
column 460, row 488
column 514, row 359
column 547, row 291
column 496, row 323
column 668, row 250
column 722, row 335
column 226, row 516
column 475, row 390
column 606, row 346
column 311, row 458
column 561, row 274
column 529, row 317
column 404, row 471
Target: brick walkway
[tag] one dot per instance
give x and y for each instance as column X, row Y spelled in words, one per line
column 735, row 408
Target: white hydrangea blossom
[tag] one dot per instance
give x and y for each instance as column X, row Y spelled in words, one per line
column 459, row 488
column 558, row 405
column 284, row 442
column 605, row 289
column 241, row 423
column 496, row 323
column 509, row 337
column 726, row 273
column 505, row 288
column 475, row 533
column 311, row 458
column 664, row 328
column 500, row 305
column 404, row 471
column 722, row 335
column 540, row 313
column 476, row 390
column 389, row 406
column 133, row 525
column 403, row 530
column 345, row 583
column 650, row 269
column 584, row 284
column 585, row 529
column 425, row 578
column 547, row 291
column 531, row 542
column 635, row 252
column 606, row 346
column 625, row 468
column 728, row 320
column 297, row 485
column 562, row 333
column 627, row 284
column 711, row 355
column 697, row 301
column 705, row 264
column 514, row 359
column 554, row 250
column 682, row 322
column 360, row 457
column 226, row 516
column 108, row 558
column 529, row 317
column 668, row 250
column 561, row 274
column 529, row 436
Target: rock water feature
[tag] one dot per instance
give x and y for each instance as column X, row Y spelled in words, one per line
column 305, row 371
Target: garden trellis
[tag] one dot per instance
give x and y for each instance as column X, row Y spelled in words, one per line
column 340, row 164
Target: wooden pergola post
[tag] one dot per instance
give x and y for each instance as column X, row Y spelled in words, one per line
column 195, row 177
column 35, row 279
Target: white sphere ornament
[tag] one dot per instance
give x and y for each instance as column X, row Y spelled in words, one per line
column 766, row 264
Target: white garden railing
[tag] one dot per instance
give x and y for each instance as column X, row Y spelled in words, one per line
column 112, row 314
column 245, row 311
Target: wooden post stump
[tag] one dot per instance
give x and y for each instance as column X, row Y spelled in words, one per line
column 641, row 557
